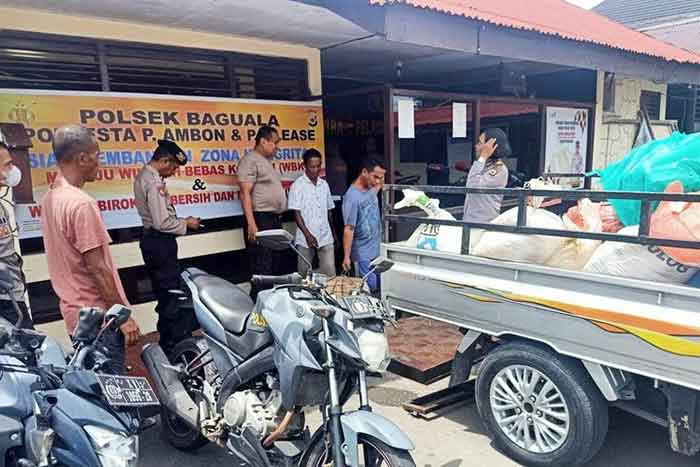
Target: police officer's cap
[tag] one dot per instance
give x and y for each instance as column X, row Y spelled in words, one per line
column 174, row 150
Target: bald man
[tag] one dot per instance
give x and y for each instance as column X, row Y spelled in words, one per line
column 81, row 267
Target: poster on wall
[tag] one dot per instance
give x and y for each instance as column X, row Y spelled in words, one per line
column 215, row 133
column 566, row 143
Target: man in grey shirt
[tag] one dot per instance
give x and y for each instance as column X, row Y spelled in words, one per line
column 263, row 200
column 10, row 176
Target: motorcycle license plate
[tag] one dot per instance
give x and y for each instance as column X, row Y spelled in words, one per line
column 127, row 391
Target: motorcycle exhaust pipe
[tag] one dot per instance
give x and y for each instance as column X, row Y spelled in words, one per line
column 171, row 392
column 275, row 435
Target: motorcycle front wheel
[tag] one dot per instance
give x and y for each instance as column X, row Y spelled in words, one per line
column 372, row 453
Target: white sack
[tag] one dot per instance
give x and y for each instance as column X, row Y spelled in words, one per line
column 645, row 262
column 576, row 252
column 517, row 247
column 429, row 236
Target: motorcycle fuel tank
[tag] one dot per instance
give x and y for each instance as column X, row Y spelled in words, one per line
column 15, row 391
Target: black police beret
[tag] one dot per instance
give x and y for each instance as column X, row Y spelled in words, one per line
column 174, row 150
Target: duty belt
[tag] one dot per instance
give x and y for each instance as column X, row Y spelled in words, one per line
column 153, row 233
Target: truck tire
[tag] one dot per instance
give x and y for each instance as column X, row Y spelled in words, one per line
column 540, row 408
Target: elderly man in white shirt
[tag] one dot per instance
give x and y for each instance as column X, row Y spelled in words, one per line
column 310, row 199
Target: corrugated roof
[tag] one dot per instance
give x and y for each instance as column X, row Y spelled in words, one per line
column 637, row 13
column 686, row 35
column 555, row 18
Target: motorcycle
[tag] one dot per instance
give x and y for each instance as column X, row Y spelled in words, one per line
column 59, row 413
column 247, row 382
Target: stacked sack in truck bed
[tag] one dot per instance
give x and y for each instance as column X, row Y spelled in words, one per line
column 671, row 164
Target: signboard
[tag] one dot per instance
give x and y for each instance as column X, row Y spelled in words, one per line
column 214, row 132
column 566, row 144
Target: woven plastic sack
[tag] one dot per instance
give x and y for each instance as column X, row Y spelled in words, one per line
column 650, row 168
column 605, row 212
column 519, row 247
column 429, row 236
column 575, row 252
column 610, row 222
column 678, row 220
column 540, row 184
column 645, row 262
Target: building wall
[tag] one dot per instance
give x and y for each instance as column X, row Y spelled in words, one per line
column 78, row 26
column 128, row 254
column 615, row 131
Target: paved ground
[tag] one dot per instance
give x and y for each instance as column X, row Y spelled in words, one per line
column 456, row 439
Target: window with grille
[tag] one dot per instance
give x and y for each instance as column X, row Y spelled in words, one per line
column 651, row 102
column 27, row 63
column 37, row 61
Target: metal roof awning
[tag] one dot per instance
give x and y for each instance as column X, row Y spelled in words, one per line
column 463, row 35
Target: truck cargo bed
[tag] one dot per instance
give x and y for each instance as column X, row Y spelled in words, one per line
column 642, row 327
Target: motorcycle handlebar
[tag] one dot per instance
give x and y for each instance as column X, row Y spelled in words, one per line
column 266, row 282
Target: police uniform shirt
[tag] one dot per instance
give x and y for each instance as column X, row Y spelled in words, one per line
column 10, row 258
column 154, row 205
column 268, row 193
column 479, row 207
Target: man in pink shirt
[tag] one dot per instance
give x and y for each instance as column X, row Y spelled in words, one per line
column 81, row 268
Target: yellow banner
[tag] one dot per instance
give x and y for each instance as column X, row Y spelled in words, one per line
column 214, row 132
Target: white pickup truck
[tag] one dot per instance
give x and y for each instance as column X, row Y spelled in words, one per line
column 556, row 348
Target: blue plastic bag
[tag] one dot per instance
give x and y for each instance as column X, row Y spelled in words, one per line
column 650, row 168
column 694, row 281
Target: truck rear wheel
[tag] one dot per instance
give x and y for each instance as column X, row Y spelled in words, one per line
column 541, row 408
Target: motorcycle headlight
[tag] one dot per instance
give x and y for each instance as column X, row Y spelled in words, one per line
column 374, row 347
column 114, row 449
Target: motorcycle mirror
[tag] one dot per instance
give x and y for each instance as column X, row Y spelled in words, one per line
column 275, row 239
column 381, row 265
column 118, row 315
column 89, row 323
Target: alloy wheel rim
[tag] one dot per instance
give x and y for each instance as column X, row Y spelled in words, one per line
column 530, row 409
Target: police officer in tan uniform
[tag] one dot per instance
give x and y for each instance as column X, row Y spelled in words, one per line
column 161, row 227
column 488, row 171
column 10, row 176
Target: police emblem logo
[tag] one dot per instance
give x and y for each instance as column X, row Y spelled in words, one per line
column 493, row 172
column 5, row 230
column 174, row 150
column 313, row 118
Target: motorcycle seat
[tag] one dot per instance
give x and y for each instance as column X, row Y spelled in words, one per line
column 227, row 302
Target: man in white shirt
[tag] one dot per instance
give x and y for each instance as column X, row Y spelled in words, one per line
column 310, row 200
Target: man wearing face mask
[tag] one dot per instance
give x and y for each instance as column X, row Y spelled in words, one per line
column 161, row 227
column 10, row 176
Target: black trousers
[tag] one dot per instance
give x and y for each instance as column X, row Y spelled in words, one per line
column 8, row 312
column 263, row 260
column 159, row 253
